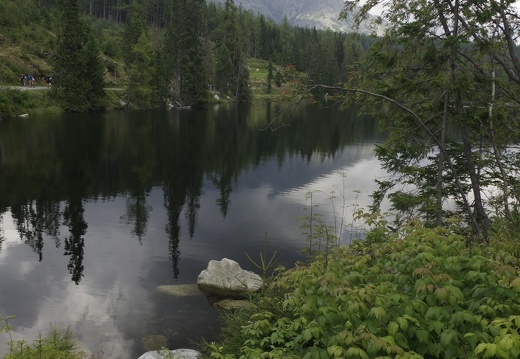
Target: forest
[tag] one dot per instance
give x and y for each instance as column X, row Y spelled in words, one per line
column 159, row 47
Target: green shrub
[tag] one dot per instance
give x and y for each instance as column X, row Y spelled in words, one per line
column 419, row 294
column 57, row 345
column 12, row 102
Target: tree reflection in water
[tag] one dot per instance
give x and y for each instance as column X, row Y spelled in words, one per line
column 52, row 169
column 73, row 216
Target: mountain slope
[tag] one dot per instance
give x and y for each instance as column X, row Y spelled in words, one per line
column 321, row 14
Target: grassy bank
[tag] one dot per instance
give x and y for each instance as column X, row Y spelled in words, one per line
column 15, row 102
column 419, row 293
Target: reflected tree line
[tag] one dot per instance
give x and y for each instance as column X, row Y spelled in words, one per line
column 51, row 169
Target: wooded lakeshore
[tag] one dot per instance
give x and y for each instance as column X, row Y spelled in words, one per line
column 437, row 272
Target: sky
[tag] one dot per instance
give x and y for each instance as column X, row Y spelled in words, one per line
column 377, row 10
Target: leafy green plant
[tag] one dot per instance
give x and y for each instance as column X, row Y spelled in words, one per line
column 265, row 265
column 319, row 235
column 420, row 293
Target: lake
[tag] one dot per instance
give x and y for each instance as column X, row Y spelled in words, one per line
column 97, row 210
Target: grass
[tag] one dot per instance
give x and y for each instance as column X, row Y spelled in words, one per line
column 258, row 70
column 59, row 344
column 15, row 102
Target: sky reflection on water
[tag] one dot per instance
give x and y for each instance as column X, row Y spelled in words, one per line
column 115, row 304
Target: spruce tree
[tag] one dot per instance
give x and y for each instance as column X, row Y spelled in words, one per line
column 135, row 26
column 185, row 48
column 160, row 78
column 78, row 68
column 140, row 73
column 269, row 77
column 138, row 53
column 96, row 96
column 231, row 73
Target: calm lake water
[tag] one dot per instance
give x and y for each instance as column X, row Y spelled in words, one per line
column 98, row 210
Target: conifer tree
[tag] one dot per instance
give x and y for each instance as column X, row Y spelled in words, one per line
column 231, row 73
column 160, row 78
column 445, row 65
column 135, row 26
column 278, row 78
column 138, row 56
column 269, row 84
column 96, row 95
column 140, row 73
column 186, row 50
column 78, row 68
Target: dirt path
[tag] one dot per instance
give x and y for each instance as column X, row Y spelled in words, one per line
column 24, row 88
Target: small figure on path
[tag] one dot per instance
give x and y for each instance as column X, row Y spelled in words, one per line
column 30, row 80
column 22, row 80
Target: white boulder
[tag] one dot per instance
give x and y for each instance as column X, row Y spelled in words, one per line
column 226, row 279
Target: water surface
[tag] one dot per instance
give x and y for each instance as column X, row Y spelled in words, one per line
column 98, row 210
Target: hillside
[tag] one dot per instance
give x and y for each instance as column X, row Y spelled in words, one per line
column 30, row 52
column 33, row 54
column 321, row 14
column 29, row 43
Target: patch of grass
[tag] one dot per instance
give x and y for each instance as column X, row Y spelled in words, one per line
column 15, row 102
column 59, row 344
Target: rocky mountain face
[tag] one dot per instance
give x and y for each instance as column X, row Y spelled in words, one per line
column 321, row 14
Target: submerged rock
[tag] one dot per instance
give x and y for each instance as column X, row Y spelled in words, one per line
column 232, row 304
column 171, row 354
column 179, row 290
column 226, row 279
column 154, row 342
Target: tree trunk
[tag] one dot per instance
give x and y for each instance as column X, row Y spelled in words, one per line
column 440, row 161
column 482, row 220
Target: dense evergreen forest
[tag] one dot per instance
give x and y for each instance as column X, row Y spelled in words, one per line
column 158, row 48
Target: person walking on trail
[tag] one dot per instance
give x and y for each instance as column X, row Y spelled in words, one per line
column 29, row 80
column 22, row 80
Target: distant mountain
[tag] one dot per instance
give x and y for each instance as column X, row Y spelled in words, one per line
column 321, row 14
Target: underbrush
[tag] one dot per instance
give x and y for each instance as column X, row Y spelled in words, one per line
column 419, row 293
column 15, row 102
column 59, row 344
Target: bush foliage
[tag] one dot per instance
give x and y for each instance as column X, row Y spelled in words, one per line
column 57, row 345
column 425, row 293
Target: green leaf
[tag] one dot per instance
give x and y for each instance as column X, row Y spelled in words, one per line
column 422, row 335
column 447, row 337
column 436, row 326
column 306, row 335
column 392, row 328
column 378, row 312
column 403, row 323
column 354, row 352
column 335, row 351
column 506, row 343
column 491, row 350
column 515, row 283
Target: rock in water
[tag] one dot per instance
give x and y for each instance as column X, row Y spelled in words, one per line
column 179, row 290
column 232, row 305
column 226, row 279
column 171, row 354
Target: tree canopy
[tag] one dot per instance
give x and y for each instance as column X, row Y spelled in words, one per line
column 444, row 82
column 78, row 68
